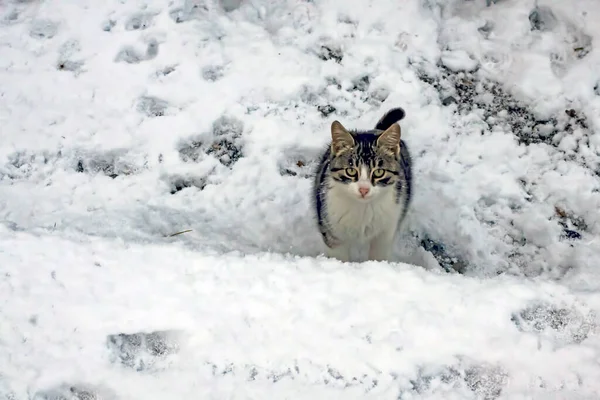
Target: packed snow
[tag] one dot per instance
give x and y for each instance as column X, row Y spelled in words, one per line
column 157, row 238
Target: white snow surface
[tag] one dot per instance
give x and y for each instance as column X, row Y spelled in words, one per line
column 113, row 117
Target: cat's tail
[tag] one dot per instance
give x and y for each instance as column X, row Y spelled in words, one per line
column 393, row 115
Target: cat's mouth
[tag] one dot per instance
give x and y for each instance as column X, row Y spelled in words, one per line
column 364, row 198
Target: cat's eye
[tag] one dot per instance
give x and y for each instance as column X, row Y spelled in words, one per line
column 378, row 173
column 351, row 172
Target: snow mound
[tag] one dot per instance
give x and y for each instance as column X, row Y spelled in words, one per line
column 157, row 320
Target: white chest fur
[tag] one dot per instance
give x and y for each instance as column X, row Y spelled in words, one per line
column 353, row 220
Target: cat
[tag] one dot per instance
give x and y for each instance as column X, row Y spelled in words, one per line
column 363, row 187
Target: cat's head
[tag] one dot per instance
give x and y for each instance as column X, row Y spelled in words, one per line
column 365, row 164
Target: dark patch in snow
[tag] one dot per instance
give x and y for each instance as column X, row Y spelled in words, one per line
column 299, row 162
column 471, row 92
column 166, row 70
column 277, row 376
column 584, row 48
column 485, row 381
column 327, row 50
column 253, row 373
column 563, row 135
column 152, row 106
column 577, row 120
column 108, row 25
column 362, row 83
column 111, row 163
column 79, row 168
column 11, row 16
column 446, row 261
column 489, row 2
column 571, row 234
column 223, row 144
column 542, row 18
column 347, row 98
column 330, row 53
column 13, row 226
column 366, row 93
column 75, row 392
column 178, row 15
column 571, row 224
column 212, row 73
column 152, row 49
column 446, row 101
column 141, row 350
column 426, row 379
column 43, row 29
column 328, row 375
column 486, row 29
column 139, row 21
column 227, row 151
column 6, row 392
column 129, row 55
column 562, row 326
column 228, row 126
column 67, row 51
column 71, row 66
column 192, row 151
column 178, row 183
column 326, row 110
column 380, row 94
column 230, row 5
column 333, row 81
column 189, row 11
column 334, row 373
column 22, row 164
column 309, row 95
column 346, row 19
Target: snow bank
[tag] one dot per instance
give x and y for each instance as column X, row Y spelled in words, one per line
column 251, row 326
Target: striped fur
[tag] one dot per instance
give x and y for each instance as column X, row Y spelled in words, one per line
column 353, row 160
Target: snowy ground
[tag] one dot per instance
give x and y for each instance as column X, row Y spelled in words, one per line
column 124, row 122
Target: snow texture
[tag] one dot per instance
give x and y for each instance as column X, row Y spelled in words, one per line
column 156, row 232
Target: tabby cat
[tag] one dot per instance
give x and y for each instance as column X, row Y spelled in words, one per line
column 363, row 187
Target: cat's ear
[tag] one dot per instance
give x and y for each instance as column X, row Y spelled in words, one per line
column 389, row 140
column 340, row 138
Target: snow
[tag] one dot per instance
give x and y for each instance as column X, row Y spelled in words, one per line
column 126, row 122
column 271, row 313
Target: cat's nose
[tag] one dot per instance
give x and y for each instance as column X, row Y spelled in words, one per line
column 363, row 191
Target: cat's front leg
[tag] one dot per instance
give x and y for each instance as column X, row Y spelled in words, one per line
column 380, row 248
column 341, row 251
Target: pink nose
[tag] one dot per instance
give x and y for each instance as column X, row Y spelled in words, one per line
column 363, row 191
